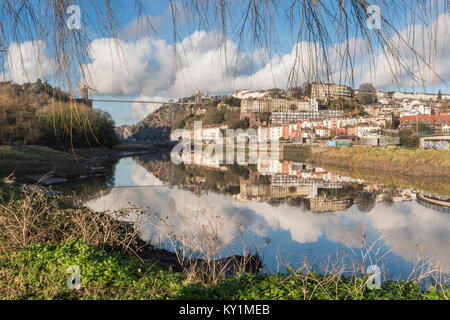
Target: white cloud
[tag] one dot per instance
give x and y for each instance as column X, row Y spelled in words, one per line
column 147, row 66
column 119, row 67
column 28, row 61
column 139, row 110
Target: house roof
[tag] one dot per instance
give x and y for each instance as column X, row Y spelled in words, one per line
column 431, row 118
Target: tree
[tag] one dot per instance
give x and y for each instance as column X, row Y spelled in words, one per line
column 408, row 139
column 243, row 124
column 307, row 89
column 365, row 201
column 35, row 121
column 367, row 94
column 232, row 101
column 275, row 92
column 367, row 87
column 295, row 93
column 362, row 112
column 439, row 97
column 367, row 98
column 92, row 128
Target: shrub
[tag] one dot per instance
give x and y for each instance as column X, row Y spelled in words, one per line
column 80, row 127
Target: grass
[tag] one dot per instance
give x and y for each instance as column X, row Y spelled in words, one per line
column 427, row 183
column 29, row 153
column 111, row 275
column 426, row 170
column 33, row 160
column 396, row 160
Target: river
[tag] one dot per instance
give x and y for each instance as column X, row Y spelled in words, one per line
column 291, row 214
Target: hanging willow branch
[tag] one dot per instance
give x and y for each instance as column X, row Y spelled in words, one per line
column 323, row 29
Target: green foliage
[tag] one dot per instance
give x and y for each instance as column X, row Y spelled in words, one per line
column 345, row 104
column 7, row 190
column 232, row 101
column 265, row 116
column 213, row 116
column 295, row 286
column 180, row 122
column 362, row 111
column 105, row 275
column 422, row 127
column 232, row 118
column 110, row 275
column 243, row 124
column 367, row 98
column 83, row 127
column 408, row 139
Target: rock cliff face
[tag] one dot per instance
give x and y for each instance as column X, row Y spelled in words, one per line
column 156, row 127
column 163, row 117
column 123, row 132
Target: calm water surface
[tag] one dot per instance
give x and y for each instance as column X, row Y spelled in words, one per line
column 287, row 212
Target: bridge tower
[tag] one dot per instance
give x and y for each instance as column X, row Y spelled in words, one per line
column 198, row 97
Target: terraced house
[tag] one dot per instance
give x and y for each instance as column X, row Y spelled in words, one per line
column 432, row 121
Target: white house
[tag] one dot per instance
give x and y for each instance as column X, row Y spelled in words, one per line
column 276, row 133
column 322, row 132
column 364, row 130
column 263, row 134
column 269, row 166
column 211, row 134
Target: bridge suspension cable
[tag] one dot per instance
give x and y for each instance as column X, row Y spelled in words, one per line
column 137, row 101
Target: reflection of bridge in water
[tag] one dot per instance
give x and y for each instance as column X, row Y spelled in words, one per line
column 434, row 204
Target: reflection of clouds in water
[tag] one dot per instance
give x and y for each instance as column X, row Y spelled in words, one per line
column 142, row 177
column 404, row 226
column 183, row 211
column 349, row 235
column 411, row 229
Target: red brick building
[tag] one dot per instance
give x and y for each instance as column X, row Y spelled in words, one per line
column 433, row 121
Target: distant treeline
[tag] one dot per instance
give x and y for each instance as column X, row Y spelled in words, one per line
column 41, row 115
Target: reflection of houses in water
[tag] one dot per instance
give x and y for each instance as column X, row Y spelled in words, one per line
column 403, row 195
column 283, row 186
column 312, row 183
column 288, row 180
column 204, row 159
column 434, row 201
column 383, row 193
column 268, row 192
column 328, row 205
column 269, row 166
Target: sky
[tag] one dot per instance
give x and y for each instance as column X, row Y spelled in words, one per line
column 146, row 68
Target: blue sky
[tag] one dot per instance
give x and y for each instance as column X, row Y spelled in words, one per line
column 150, row 71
